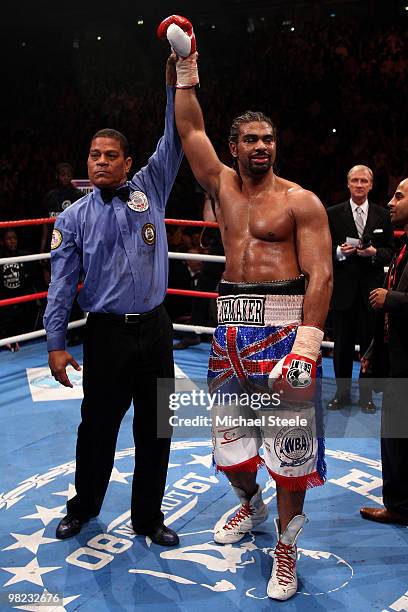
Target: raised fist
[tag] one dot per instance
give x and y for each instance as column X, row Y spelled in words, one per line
column 179, row 32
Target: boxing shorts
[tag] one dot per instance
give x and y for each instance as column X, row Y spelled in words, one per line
column 257, row 324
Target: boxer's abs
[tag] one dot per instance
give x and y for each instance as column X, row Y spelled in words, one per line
column 253, row 260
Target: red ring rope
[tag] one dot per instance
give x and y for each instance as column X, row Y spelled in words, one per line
column 182, row 222
column 24, row 222
column 43, row 294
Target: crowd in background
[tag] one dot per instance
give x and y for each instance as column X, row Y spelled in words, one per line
column 337, row 91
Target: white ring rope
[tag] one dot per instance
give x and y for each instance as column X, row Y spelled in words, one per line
column 172, row 255
column 176, row 326
column 38, row 333
column 197, row 329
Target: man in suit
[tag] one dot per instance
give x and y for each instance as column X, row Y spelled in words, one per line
column 388, row 356
column 363, row 243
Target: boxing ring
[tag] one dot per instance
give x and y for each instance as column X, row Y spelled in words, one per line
column 345, row 563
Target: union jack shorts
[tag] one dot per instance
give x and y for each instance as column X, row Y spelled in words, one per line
column 244, row 419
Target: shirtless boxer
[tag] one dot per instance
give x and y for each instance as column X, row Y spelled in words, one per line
column 273, row 303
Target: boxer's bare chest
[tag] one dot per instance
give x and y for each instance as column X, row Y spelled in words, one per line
column 265, row 216
column 258, row 234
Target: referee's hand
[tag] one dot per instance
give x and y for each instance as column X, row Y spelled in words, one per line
column 58, row 361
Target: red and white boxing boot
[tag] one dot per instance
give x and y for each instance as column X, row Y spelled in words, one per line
column 179, row 32
column 252, row 512
column 283, row 581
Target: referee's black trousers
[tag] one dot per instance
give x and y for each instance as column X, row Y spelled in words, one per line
column 123, row 361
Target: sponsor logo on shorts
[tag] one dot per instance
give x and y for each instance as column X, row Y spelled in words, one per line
column 138, row 201
column 299, row 374
column 294, row 446
column 149, row 233
column 241, row 309
column 230, row 435
column 56, row 239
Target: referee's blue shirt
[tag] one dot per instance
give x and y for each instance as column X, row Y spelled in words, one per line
column 120, row 253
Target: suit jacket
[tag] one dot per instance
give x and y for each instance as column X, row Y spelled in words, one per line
column 359, row 274
column 391, row 359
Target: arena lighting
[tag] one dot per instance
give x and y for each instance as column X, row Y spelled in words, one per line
column 292, row 29
column 140, row 22
column 332, row 14
column 334, row 130
column 99, row 38
column 213, row 27
column 23, row 44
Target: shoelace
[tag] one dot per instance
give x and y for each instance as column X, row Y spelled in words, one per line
column 286, row 563
column 244, row 512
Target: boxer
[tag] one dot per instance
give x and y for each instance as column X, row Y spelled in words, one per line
column 272, row 308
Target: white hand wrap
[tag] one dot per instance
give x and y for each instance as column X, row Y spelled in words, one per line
column 308, row 341
column 187, row 72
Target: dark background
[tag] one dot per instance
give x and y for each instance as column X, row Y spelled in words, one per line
column 314, row 67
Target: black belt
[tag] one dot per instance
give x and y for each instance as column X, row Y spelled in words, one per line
column 291, row 286
column 132, row 317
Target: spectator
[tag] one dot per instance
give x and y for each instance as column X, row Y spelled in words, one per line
column 16, row 279
column 363, row 244
column 183, row 274
column 57, row 200
column 388, row 357
column 208, row 281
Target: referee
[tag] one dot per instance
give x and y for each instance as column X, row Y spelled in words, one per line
column 115, row 239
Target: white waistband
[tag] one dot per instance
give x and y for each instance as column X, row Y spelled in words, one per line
column 259, row 310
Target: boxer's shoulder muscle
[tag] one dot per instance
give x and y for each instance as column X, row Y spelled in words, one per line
column 305, row 203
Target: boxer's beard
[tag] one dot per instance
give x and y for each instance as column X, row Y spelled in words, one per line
column 260, row 169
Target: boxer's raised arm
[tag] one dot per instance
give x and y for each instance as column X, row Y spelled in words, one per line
column 197, row 146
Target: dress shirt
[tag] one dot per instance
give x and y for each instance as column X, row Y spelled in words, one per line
column 364, row 207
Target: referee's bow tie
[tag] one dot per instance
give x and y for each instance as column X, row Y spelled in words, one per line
column 108, row 193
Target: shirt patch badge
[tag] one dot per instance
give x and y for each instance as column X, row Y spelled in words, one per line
column 138, row 201
column 149, row 233
column 65, row 204
column 56, row 239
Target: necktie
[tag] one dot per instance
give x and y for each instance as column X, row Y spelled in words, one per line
column 108, row 193
column 359, row 221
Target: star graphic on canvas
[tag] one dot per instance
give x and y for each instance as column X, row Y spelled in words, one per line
column 117, row 476
column 69, row 493
column 53, row 607
column 46, row 515
column 205, row 460
column 30, row 541
column 31, row 572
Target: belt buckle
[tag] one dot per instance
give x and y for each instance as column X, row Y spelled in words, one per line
column 132, row 317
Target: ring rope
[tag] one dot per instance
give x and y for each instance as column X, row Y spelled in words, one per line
column 182, row 222
column 172, row 255
column 50, row 220
column 176, row 326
